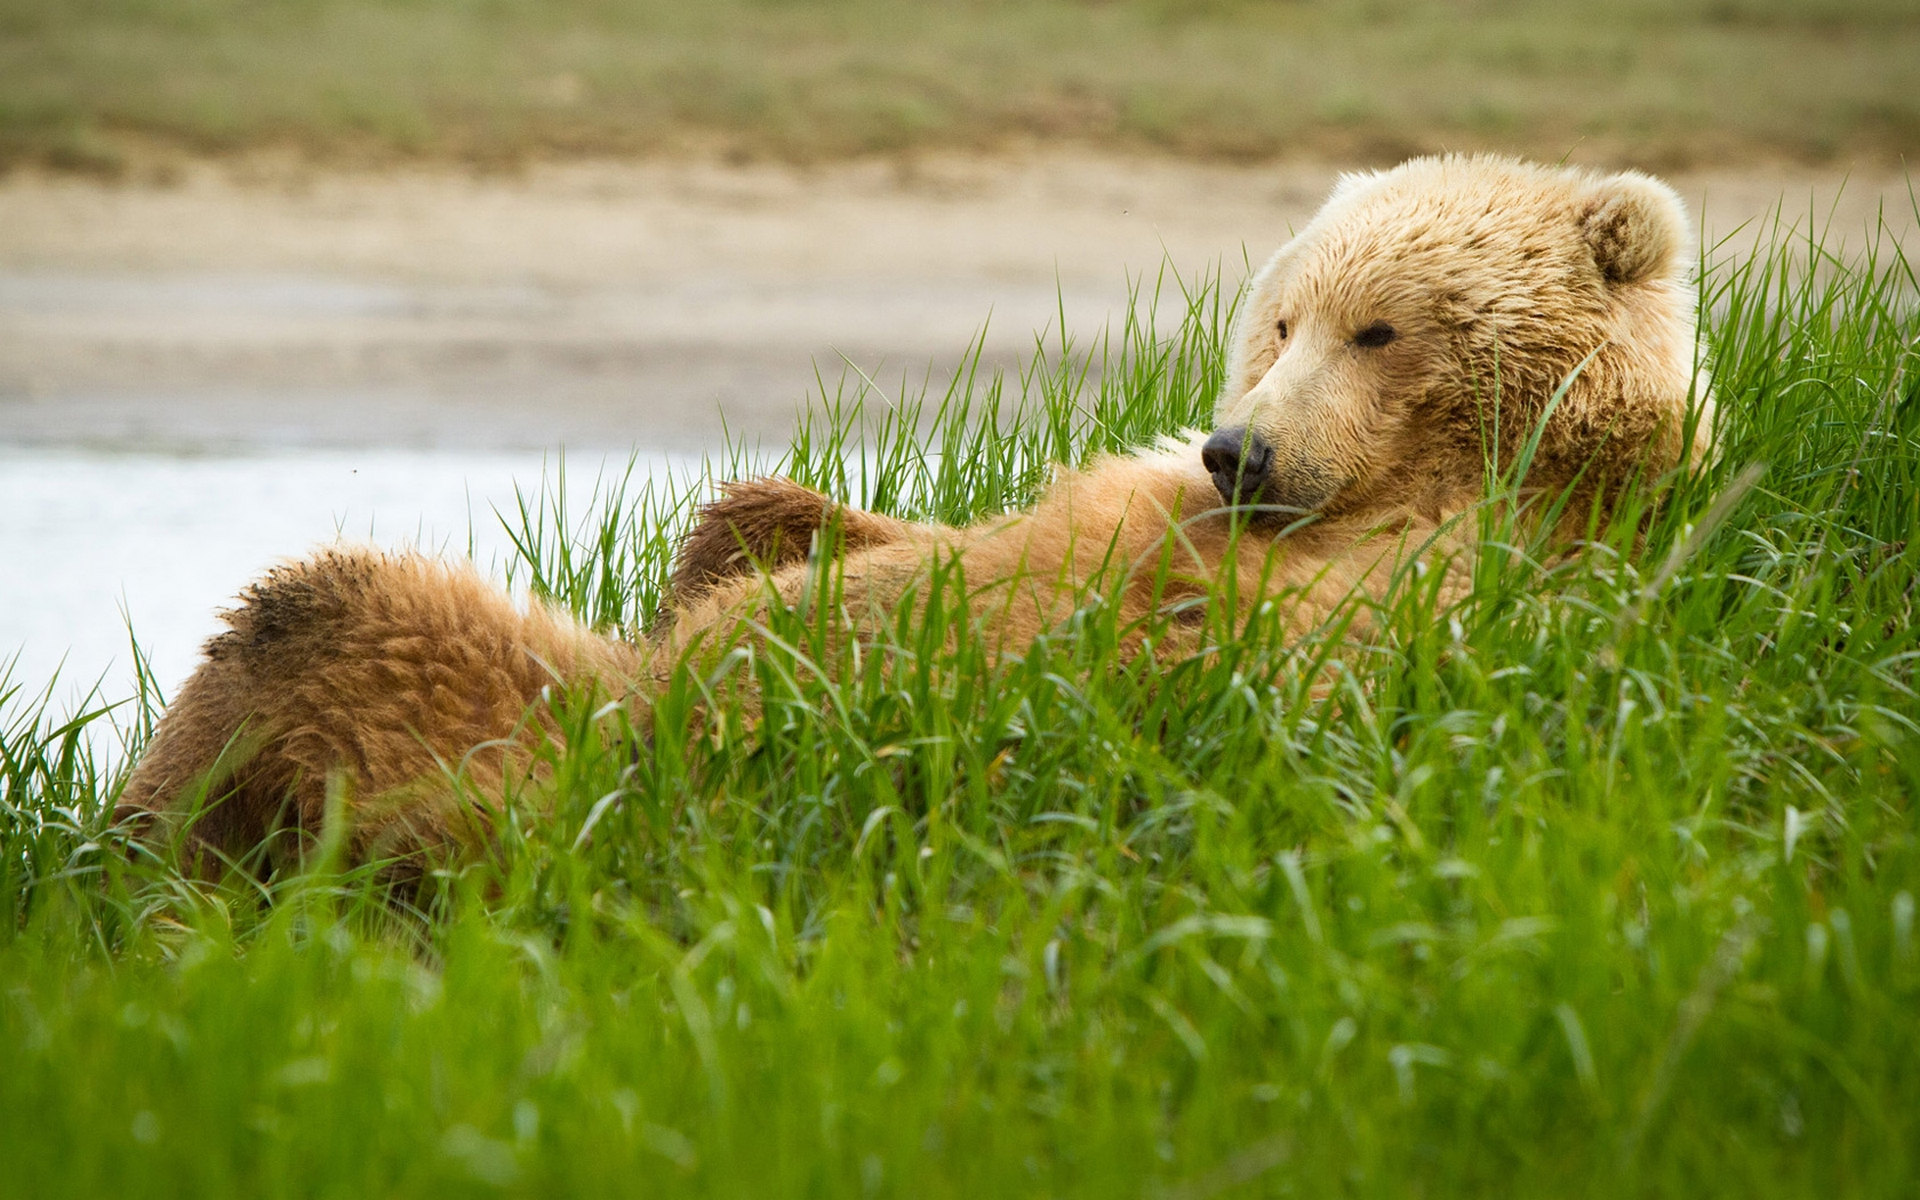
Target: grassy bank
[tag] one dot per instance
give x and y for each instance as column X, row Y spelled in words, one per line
column 1600, row 884
column 96, row 84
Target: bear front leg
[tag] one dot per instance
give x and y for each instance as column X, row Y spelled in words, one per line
column 764, row 525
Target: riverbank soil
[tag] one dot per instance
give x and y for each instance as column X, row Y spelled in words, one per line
column 265, row 303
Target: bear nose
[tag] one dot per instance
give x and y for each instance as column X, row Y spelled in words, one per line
column 1238, row 461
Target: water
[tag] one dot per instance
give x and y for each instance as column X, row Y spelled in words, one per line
column 94, row 544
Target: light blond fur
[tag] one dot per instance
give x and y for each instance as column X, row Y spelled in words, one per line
column 1504, row 283
column 1500, row 279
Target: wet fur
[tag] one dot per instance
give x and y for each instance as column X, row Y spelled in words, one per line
column 394, row 674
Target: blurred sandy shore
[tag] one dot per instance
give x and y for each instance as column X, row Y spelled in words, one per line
column 607, row 305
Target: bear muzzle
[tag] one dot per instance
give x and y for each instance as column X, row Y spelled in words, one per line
column 1247, row 472
column 1238, row 460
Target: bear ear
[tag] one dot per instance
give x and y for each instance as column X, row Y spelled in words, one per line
column 1635, row 226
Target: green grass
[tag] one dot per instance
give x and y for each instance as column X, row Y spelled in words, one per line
column 1600, row 884
column 103, row 84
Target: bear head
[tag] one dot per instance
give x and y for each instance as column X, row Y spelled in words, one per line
column 1417, row 331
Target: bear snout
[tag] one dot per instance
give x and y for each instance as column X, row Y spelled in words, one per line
column 1247, row 472
column 1239, row 461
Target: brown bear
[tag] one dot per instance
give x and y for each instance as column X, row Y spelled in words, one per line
column 1434, row 325
column 1423, row 328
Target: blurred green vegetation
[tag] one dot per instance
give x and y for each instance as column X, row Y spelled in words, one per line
column 96, row 84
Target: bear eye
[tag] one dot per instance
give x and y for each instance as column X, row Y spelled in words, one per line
column 1281, row 329
column 1375, row 336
